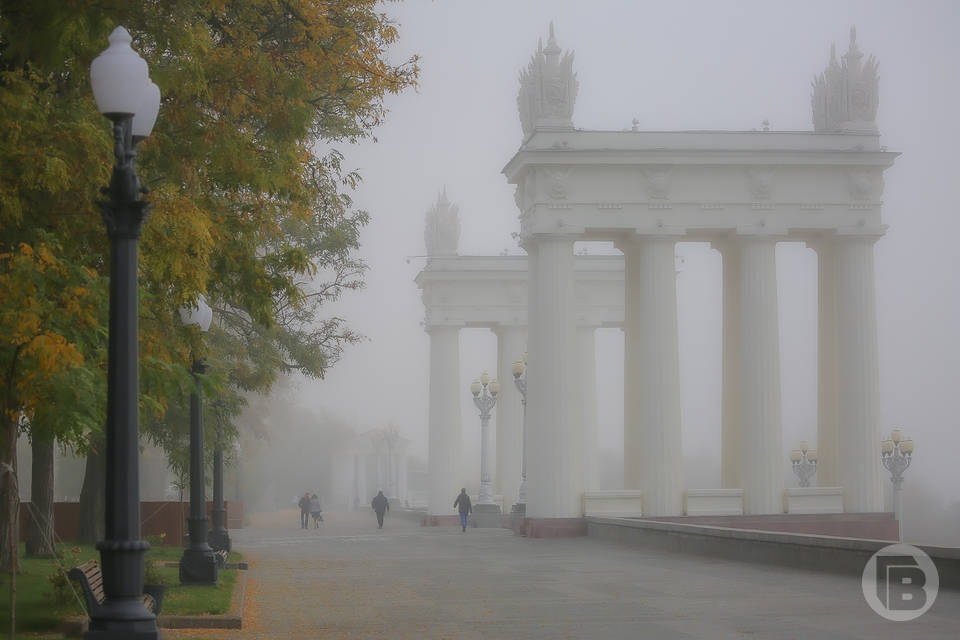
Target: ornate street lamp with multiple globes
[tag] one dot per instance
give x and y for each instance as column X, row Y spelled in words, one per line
column 485, row 397
column 125, row 94
column 804, row 462
column 896, row 454
column 198, row 565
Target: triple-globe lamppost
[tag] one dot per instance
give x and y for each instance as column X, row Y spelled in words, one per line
column 125, row 94
column 198, row 565
column 896, row 454
column 485, row 394
column 804, row 462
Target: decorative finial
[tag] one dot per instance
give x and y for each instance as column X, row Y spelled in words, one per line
column 846, row 95
column 442, row 232
column 548, row 88
column 853, row 52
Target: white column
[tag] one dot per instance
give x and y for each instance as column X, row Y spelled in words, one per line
column 404, row 496
column 858, row 376
column 444, row 419
column 762, row 454
column 731, row 467
column 828, row 443
column 653, row 450
column 554, row 475
column 511, row 343
column 363, row 496
column 587, row 366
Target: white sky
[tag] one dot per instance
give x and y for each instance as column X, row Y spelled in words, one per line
column 672, row 65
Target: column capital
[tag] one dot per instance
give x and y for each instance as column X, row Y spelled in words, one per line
column 654, row 234
column 760, row 232
column 432, row 327
column 843, row 235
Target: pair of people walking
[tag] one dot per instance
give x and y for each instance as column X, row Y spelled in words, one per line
column 310, row 506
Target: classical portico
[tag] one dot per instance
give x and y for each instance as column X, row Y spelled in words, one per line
column 741, row 191
column 490, row 292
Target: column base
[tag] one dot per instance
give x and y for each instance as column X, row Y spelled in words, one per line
column 486, row 516
column 198, row 566
column 555, row 527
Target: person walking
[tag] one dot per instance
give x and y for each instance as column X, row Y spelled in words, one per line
column 316, row 511
column 380, row 505
column 304, row 505
column 466, row 508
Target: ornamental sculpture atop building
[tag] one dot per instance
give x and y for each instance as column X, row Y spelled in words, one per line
column 845, row 95
column 548, row 89
column 442, row 232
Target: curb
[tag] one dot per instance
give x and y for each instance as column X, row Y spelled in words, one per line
column 232, row 620
column 239, row 566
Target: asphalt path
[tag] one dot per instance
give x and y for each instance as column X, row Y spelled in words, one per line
column 350, row 579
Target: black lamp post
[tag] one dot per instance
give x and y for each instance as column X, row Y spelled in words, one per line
column 198, row 565
column 219, row 538
column 124, row 94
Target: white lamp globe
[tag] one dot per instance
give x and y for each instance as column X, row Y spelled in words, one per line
column 118, row 76
column 146, row 114
column 201, row 315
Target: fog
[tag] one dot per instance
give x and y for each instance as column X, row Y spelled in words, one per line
column 671, row 66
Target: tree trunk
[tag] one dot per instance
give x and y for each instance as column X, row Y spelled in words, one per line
column 40, row 524
column 9, row 497
column 92, row 507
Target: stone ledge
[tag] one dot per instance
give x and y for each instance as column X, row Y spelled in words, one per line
column 807, row 551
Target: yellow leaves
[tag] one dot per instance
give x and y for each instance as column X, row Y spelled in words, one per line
column 52, row 353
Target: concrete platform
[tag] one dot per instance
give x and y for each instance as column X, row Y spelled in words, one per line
column 406, row 582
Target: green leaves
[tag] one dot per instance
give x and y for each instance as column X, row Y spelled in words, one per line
column 245, row 209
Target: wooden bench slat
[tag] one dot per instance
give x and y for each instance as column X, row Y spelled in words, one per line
column 91, row 580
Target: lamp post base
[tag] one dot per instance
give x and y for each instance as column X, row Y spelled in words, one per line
column 198, row 566
column 146, row 630
column 518, row 517
column 219, row 540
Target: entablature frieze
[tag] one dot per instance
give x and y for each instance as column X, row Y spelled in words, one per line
column 491, row 291
column 710, row 182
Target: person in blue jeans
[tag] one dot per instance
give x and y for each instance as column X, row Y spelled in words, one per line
column 463, row 502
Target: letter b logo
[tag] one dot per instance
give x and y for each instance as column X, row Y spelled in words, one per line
column 900, row 582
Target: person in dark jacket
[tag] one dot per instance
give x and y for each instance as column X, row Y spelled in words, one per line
column 380, row 505
column 463, row 502
column 304, row 505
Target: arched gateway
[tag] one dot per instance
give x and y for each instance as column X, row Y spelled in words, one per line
column 741, row 191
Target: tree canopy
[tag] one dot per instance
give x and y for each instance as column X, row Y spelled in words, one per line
column 246, row 208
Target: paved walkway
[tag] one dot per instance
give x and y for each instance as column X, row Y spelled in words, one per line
column 350, row 580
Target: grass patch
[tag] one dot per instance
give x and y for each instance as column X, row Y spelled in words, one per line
column 195, row 600
column 37, row 607
column 40, row 607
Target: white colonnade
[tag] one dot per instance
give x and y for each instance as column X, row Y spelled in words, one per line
column 741, row 191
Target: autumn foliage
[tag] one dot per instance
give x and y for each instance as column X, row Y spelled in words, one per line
column 251, row 203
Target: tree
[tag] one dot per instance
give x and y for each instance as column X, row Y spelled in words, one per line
column 245, row 207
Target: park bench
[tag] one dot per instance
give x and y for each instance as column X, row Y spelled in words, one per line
column 91, row 579
column 222, row 555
